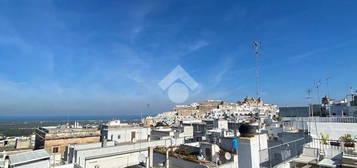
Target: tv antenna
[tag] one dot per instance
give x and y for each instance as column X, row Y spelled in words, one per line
column 311, row 113
column 257, row 45
column 317, row 85
column 148, row 110
column 327, row 85
column 308, row 95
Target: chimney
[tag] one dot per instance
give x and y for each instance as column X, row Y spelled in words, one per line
column 6, row 161
column 248, row 151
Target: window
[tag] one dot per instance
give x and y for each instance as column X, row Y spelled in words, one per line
column 55, row 150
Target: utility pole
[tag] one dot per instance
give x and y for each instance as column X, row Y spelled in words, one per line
column 257, row 45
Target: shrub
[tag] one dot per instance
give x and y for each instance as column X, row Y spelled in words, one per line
column 347, row 138
column 324, row 139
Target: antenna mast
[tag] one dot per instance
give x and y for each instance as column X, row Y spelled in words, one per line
column 256, row 45
column 317, row 85
column 308, row 97
column 328, row 88
column 311, row 111
column 148, row 108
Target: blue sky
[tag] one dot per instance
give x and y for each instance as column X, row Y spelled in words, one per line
column 107, row 57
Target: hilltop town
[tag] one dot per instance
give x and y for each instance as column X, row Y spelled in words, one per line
column 210, row 133
column 215, row 109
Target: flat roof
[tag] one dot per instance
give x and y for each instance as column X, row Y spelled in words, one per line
column 28, row 156
column 52, row 130
column 87, row 146
column 113, row 127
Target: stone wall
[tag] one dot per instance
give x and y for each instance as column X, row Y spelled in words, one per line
column 23, row 144
column 63, row 143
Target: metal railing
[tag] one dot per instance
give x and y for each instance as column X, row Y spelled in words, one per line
column 348, row 148
column 281, row 153
column 322, row 119
column 285, row 152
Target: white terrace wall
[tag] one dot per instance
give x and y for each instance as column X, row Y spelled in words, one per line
column 334, row 130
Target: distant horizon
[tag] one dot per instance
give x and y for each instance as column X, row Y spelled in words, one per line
column 67, row 118
column 113, row 114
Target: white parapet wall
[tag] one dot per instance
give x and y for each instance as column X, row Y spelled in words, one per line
column 127, row 154
column 333, row 129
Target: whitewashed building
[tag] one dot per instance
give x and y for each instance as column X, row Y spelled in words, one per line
column 121, row 133
column 123, row 155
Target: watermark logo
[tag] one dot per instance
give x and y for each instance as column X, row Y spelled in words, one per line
column 178, row 92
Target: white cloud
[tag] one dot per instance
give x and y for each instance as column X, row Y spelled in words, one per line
column 315, row 52
column 197, row 45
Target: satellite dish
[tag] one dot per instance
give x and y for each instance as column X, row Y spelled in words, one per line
column 142, row 158
column 228, row 156
column 200, row 157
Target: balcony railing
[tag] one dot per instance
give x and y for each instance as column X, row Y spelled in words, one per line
column 348, row 148
column 281, row 153
column 322, row 119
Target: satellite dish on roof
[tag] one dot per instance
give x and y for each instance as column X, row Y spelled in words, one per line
column 142, row 158
column 200, row 157
column 228, row 156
